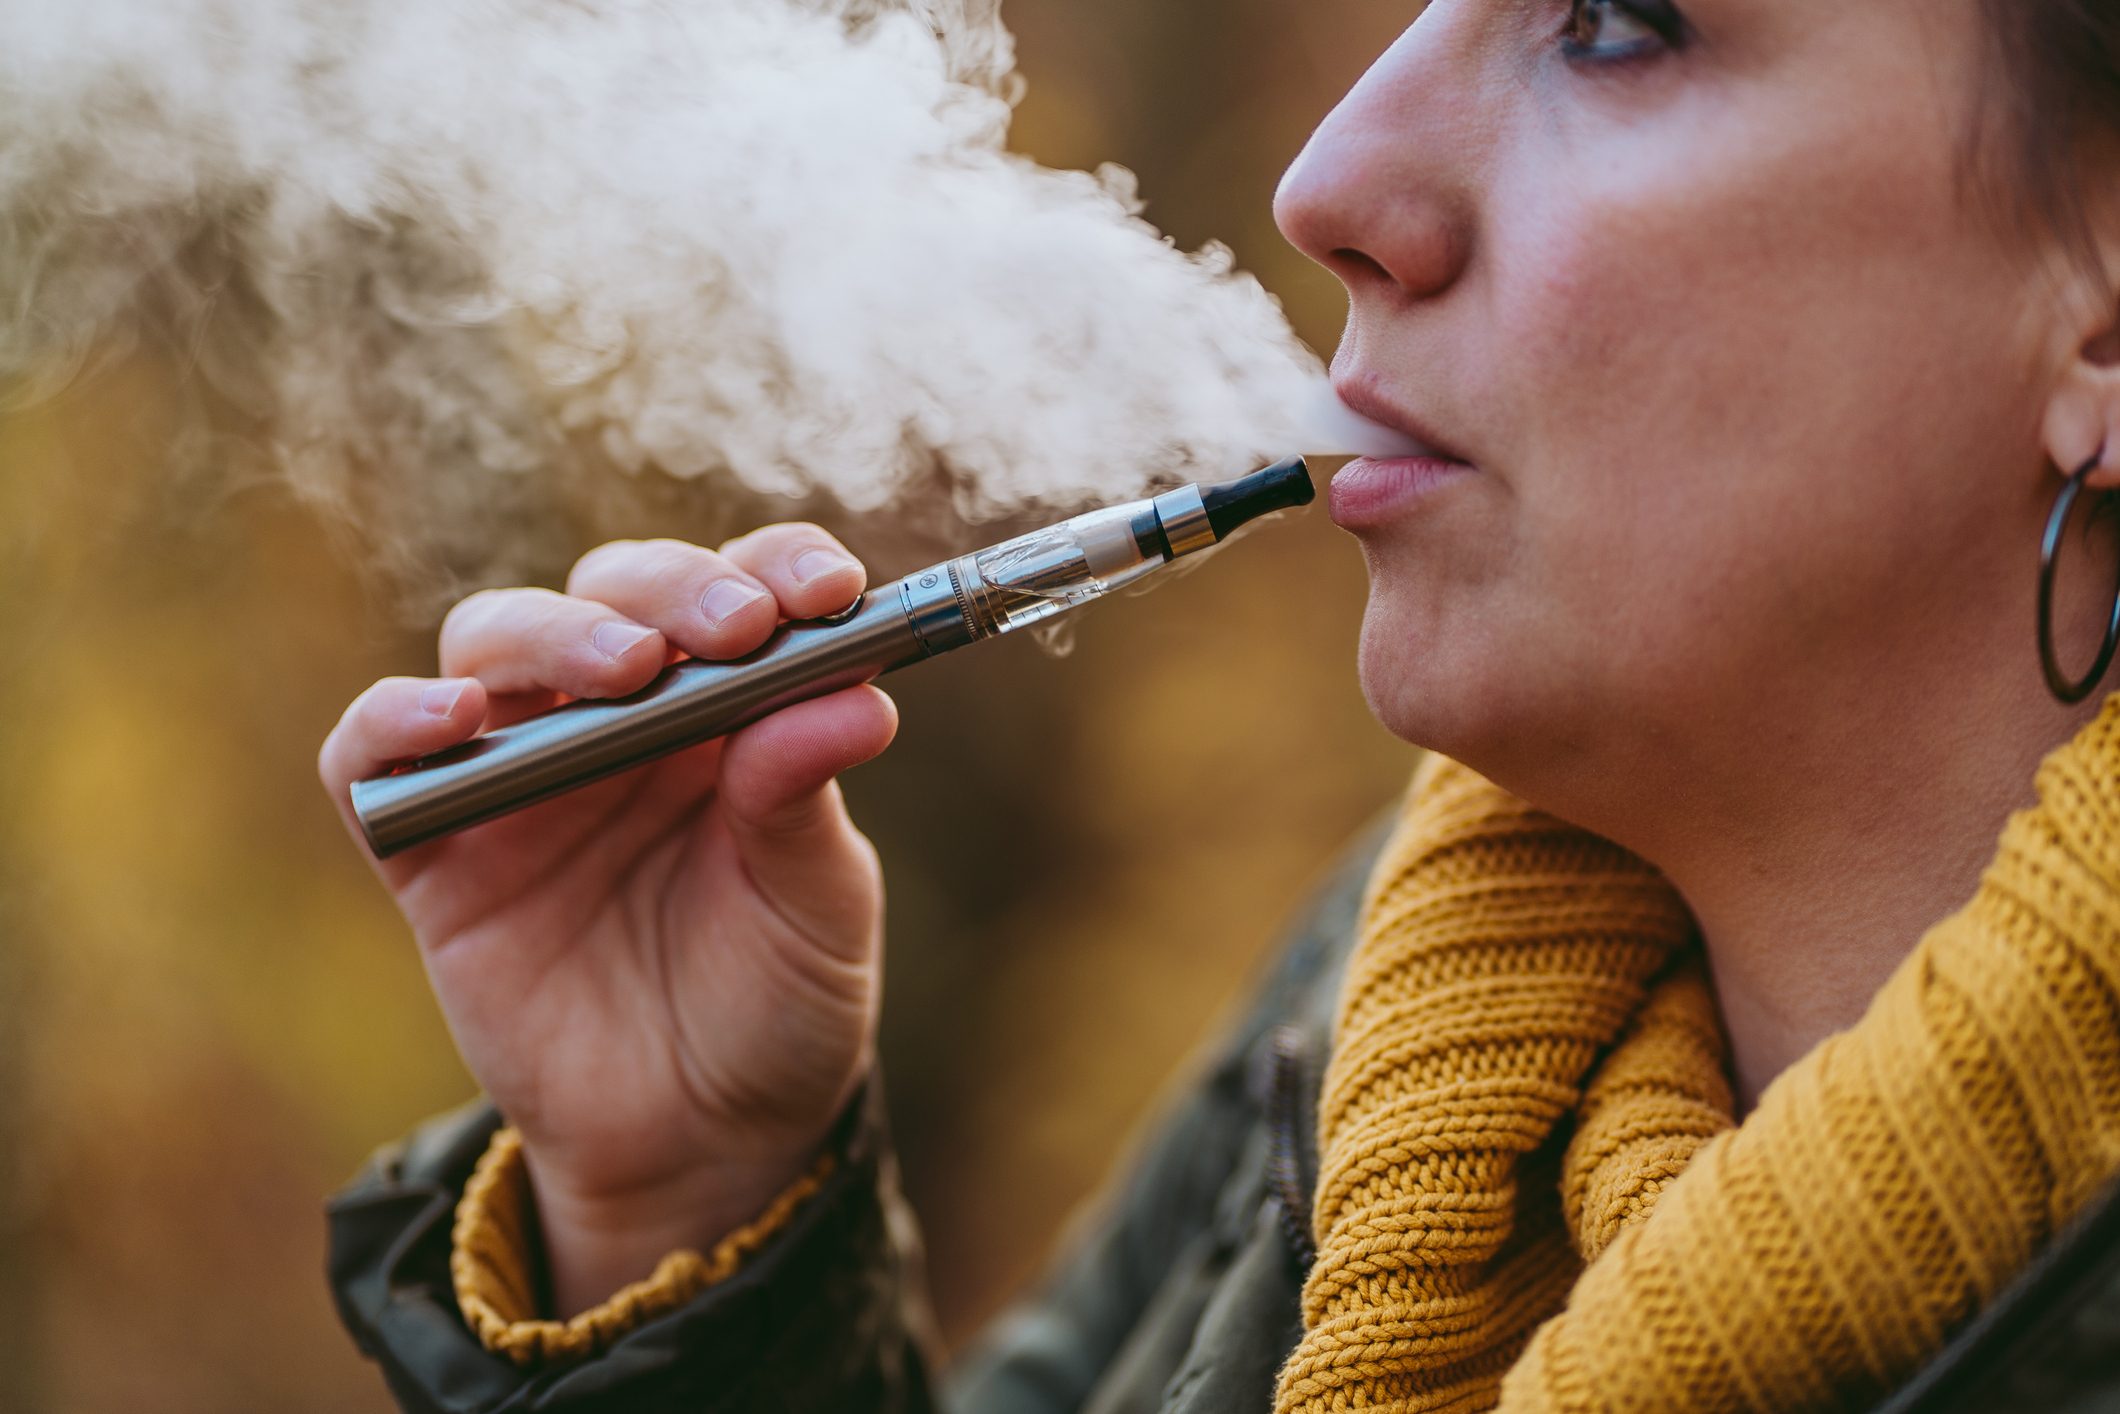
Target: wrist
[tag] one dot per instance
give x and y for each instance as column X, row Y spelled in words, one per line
column 596, row 1244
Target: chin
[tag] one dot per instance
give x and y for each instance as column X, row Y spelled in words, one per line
column 1445, row 685
column 1407, row 678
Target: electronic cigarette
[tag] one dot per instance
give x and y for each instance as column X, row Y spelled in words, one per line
column 996, row 591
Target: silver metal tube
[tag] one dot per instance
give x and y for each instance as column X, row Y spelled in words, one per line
column 1020, row 582
column 695, row 701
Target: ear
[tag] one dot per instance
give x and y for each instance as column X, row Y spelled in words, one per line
column 2083, row 416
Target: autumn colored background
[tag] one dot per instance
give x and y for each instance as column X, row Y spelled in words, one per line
column 209, row 1013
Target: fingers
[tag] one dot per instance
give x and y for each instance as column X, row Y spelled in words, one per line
column 506, row 651
column 774, row 774
column 397, row 720
column 722, row 604
column 700, row 601
column 531, row 640
column 782, row 807
column 808, row 570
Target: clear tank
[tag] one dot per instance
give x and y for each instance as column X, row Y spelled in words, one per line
column 1049, row 571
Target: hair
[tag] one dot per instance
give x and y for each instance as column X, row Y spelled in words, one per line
column 2060, row 107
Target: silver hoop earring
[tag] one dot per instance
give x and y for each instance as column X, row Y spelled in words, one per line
column 2058, row 682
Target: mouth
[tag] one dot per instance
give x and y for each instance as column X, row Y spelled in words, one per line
column 1375, row 491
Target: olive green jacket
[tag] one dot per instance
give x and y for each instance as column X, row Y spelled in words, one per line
column 1179, row 1296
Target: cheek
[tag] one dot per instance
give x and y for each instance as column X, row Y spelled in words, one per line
column 1730, row 367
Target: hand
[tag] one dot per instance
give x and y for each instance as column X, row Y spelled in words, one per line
column 668, row 981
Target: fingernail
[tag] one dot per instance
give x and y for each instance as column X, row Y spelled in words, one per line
column 440, row 699
column 813, row 565
column 727, row 599
column 614, row 641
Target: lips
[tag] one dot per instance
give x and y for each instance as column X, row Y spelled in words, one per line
column 1370, row 494
column 1377, row 491
column 1360, row 392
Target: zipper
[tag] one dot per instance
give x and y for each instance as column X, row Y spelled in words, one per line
column 1292, row 1168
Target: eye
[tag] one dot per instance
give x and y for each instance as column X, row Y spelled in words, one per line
column 1619, row 29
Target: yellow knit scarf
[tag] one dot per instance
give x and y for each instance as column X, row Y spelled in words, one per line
column 1533, row 1196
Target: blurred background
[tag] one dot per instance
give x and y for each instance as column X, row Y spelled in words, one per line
column 209, row 1013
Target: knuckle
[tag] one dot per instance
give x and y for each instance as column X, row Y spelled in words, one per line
column 496, row 624
column 701, row 567
column 360, row 720
column 798, row 532
column 599, row 561
column 330, row 752
column 749, row 537
column 864, row 859
column 663, row 556
column 474, row 611
column 378, row 697
column 638, row 567
column 670, row 545
column 782, row 538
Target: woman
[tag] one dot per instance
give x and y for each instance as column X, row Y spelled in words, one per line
column 1756, row 342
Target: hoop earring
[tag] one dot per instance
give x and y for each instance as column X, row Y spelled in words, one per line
column 2058, row 682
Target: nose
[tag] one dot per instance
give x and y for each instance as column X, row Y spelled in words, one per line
column 1382, row 195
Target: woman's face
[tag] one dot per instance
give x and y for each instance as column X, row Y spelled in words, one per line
column 1749, row 377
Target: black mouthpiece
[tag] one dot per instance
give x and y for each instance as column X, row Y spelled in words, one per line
column 1233, row 504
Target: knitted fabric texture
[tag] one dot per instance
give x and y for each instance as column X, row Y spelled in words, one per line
column 492, row 1267
column 1533, row 1196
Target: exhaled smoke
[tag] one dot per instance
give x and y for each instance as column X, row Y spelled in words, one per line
column 435, row 244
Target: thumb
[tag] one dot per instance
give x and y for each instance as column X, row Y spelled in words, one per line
column 779, row 796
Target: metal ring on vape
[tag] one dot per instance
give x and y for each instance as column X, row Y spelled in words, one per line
column 934, row 606
column 1186, row 526
column 2058, row 681
column 970, row 588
